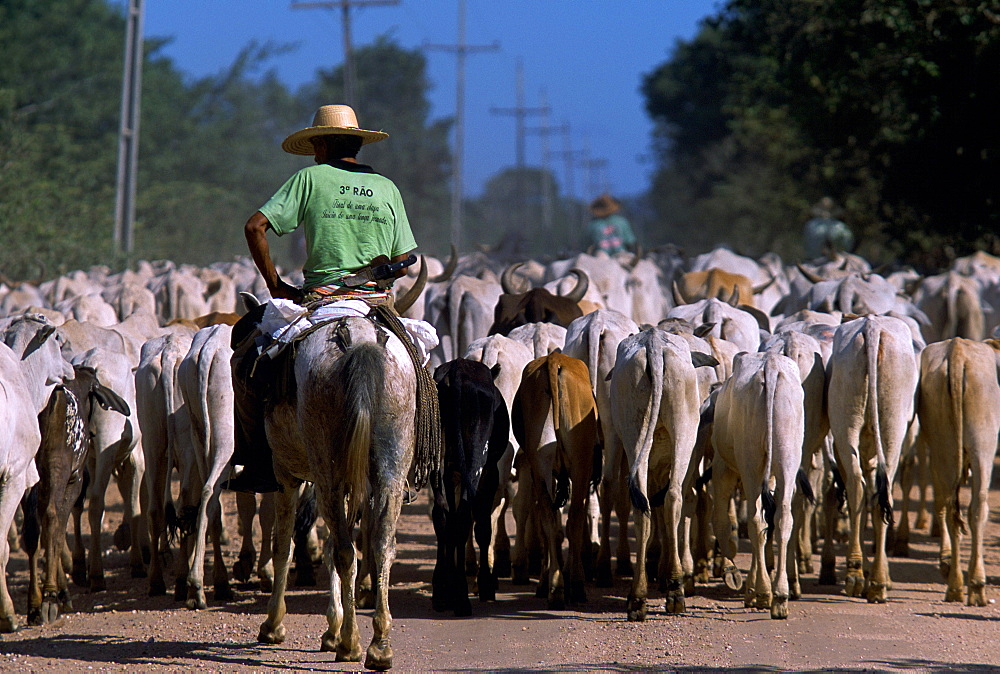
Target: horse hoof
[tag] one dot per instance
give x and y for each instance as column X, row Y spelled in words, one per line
column 779, row 608
column 379, row 659
column 271, row 636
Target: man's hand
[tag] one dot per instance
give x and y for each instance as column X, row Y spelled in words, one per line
column 286, row 291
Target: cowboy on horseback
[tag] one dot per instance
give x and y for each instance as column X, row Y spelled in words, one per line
column 354, row 222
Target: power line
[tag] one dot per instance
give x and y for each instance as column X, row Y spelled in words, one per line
column 460, row 49
column 128, row 133
column 350, row 75
column 545, row 130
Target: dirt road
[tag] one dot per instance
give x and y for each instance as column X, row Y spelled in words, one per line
column 123, row 629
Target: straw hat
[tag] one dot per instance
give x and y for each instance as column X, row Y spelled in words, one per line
column 604, row 205
column 330, row 120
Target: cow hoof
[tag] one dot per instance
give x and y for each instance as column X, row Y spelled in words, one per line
column 266, row 584
column 463, row 609
column 50, row 610
column 379, row 658
column 271, row 636
column 223, row 592
column 345, row 652
column 901, row 547
column 577, row 592
column 519, row 575
column 954, row 594
column 878, row 593
column 977, row 594
column 675, row 603
column 138, row 570
column 243, row 567
column 65, row 601
column 197, row 603
column 794, row 591
column 123, row 536
column 779, row 608
column 8, row 624
column 97, row 584
column 763, row 601
column 79, row 573
column 157, row 588
column 854, row 584
column 689, row 584
column 501, row 563
column 487, row 589
column 702, row 572
column 805, row 566
column 944, row 566
column 35, row 617
column 732, row 577
column 557, row 599
column 921, row 521
column 635, row 609
column 827, row 574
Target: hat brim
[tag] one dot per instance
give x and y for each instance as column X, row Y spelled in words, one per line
column 299, row 142
column 604, row 211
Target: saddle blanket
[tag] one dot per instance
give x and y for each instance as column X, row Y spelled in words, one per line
column 284, row 320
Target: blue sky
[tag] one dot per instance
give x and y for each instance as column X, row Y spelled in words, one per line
column 587, row 56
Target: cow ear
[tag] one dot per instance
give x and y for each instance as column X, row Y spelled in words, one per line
column 109, row 400
column 495, row 371
column 699, row 359
column 703, row 329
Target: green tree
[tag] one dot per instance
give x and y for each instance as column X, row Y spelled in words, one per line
column 889, row 106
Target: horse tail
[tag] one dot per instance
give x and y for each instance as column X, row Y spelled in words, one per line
column 362, row 374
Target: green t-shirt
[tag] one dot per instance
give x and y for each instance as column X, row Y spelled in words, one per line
column 351, row 214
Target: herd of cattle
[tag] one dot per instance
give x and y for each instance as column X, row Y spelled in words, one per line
column 688, row 394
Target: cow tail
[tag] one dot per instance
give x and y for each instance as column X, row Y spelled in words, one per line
column 639, row 474
column 594, row 335
column 771, row 374
column 169, row 394
column 362, row 374
column 31, row 529
column 956, row 384
column 873, row 345
column 951, row 306
column 454, row 313
column 553, row 371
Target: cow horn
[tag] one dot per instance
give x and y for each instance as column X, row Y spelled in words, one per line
column 411, row 295
column 762, row 321
column 763, row 286
column 580, row 289
column 507, row 279
column 679, row 299
column 734, row 299
column 449, row 268
column 810, row 276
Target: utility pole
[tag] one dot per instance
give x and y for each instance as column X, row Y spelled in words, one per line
column 519, row 112
column 460, row 49
column 350, row 75
column 545, row 130
column 128, row 132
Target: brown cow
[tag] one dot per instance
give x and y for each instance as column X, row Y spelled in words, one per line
column 555, row 421
column 516, row 307
column 717, row 283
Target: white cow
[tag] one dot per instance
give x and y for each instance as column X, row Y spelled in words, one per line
column 206, row 383
column 654, row 392
column 959, row 421
column 872, row 383
column 758, row 429
column 541, row 338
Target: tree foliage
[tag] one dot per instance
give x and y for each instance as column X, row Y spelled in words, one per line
column 209, row 152
column 889, row 106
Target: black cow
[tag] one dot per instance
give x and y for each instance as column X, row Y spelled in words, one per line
column 537, row 305
column 476, row 425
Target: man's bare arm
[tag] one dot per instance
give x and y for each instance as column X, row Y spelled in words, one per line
column 256, row 234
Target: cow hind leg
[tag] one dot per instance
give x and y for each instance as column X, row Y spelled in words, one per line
column 979, row 515
column 10, row 493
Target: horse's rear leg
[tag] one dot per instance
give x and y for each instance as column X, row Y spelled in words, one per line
column 342, row 635
column 382, row 552
column 271, row 630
